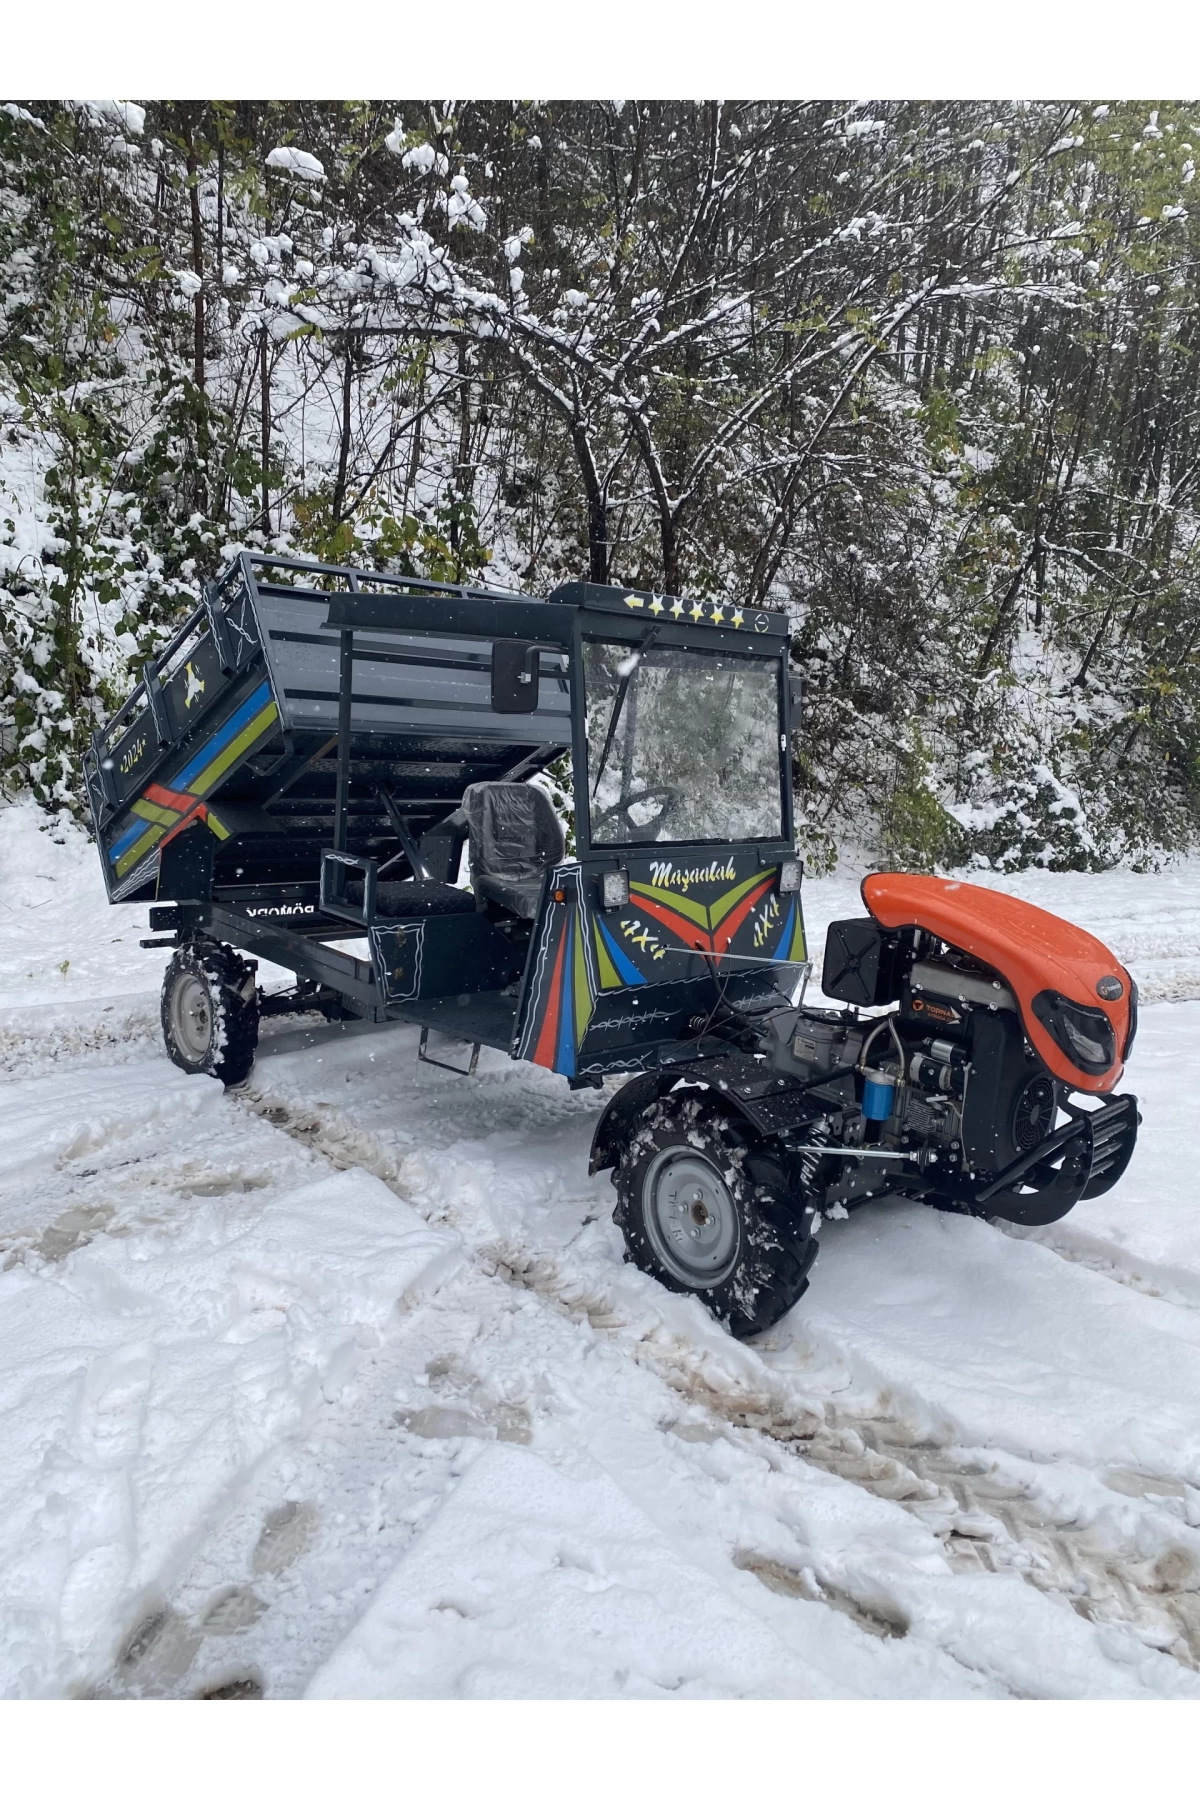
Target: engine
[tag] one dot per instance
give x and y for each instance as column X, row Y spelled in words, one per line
column 942, row 1086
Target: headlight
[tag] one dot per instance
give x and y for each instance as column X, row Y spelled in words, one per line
column 1083, row 1033
column 614, row 889
column 789, row 875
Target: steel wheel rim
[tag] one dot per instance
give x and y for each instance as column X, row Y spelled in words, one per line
column 691, row 1217
column 192, row 1017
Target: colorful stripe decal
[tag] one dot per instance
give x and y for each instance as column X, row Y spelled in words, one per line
column 723, row 937
column 128, row 836
column 627, row 974
column 792, row 947
column 160, row 810
column 782, row 954
column 604, row 962
column 694, row 936
column 241, row 743
column 229, row 730
column 564, row 1062
column 581, row 958
column 583, row 987
column 669, row 908
column 547, row 1036
column 689, row 909
column 727, row 901
column 712, row 928
column 146, row 842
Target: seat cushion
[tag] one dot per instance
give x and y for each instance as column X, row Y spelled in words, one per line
column 519, row 897
column 413, row 899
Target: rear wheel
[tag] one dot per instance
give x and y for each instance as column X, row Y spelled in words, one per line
column 210, row 1012
column 706, row 1214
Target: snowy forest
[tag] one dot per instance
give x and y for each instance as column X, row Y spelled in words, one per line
column 922, row 375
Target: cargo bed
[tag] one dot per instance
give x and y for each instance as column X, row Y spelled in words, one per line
column 235, row 725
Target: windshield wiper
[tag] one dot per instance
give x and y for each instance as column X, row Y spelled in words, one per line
column 618, row 704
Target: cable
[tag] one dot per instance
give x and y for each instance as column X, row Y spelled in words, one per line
column 721, row 987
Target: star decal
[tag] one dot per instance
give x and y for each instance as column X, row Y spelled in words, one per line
column 718, row 614
column 698, row 610
column 676, row 609
column 656, row 605
column 739, row 618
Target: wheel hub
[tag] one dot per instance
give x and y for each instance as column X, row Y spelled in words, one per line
column 691, row 1217
column 192, row 1017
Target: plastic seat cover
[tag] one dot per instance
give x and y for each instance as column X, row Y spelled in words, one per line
column 515, row 837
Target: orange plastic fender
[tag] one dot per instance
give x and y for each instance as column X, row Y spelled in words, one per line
column 1029, row 948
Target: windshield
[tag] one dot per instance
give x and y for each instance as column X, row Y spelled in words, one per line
column 683, row 746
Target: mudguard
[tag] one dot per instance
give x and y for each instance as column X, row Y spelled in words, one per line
column 616, row 1121
column 1030, row 949
column 759, row 1097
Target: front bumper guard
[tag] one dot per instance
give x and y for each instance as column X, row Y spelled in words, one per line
column 1081, row 1160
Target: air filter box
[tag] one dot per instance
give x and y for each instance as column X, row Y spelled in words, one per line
column 864, row 964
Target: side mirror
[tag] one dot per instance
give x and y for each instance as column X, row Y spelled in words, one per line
column 515, row 676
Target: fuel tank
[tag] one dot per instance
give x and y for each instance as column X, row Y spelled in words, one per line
column 1077, row 1002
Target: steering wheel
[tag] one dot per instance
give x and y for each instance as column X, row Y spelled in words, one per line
column 647, row 833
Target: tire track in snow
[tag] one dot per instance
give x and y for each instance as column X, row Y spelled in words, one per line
column 1101, row 1258
column 988, row 1521
column 114, row 1151
column 32, row 1043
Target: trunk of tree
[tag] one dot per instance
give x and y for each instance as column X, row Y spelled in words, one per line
column 265, row 425
column 598, row 537
column 597, row 503
column 198, row 333
column 669, row 536
column 339, row 486
column 1003, row 612
column 220, row 215
column 465, row 471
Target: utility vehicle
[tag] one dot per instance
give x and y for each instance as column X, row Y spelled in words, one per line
column 295, row 778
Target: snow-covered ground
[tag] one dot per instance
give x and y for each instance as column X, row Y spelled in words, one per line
column 337, row 1385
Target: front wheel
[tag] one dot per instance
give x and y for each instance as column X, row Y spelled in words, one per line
column 706, row 1214
column 210, row 1012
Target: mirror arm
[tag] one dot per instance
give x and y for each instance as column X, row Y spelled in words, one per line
column 523, row 677
column 532, row 652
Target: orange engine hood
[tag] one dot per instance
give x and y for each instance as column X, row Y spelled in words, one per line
column 1029, row 949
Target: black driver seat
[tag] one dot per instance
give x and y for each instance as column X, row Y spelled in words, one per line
column 515, row 837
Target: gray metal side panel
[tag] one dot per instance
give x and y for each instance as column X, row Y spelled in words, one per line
column 393, row 697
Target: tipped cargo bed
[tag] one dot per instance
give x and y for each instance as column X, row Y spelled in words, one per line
column 235, row 726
